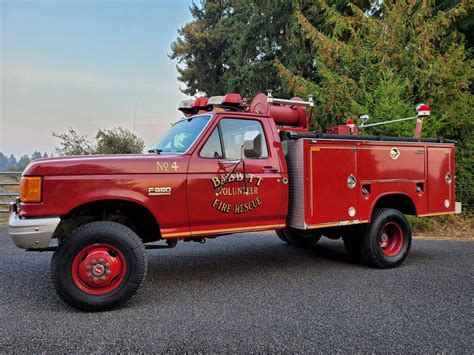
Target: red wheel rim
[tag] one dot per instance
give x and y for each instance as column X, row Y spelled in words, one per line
column 391, row 239
column 98, row 269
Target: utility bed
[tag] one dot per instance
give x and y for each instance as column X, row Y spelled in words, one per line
column 339, row 181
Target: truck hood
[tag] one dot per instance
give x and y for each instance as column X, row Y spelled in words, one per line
column 109, row 164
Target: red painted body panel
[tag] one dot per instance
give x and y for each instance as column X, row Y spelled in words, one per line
column 214, row 212
column 73, row 181
column 418, row 171
column 329, row 166
column 441, row 160
column 191, row 208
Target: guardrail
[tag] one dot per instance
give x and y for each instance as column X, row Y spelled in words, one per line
column 9, row 188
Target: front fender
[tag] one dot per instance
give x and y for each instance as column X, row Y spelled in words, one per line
column 62, row 194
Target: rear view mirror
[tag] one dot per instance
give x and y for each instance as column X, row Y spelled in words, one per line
column 252, row 144
column 364, row 118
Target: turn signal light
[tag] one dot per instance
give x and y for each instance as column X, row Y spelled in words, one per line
column 30, row 189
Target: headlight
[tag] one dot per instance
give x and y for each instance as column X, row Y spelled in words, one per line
column 30, row 189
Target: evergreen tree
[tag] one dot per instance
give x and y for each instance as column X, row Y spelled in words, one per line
column 11, row 163
column 36, row 155
column 22, row 163
column 356, row 57
column 384, row 65
column 3, row 162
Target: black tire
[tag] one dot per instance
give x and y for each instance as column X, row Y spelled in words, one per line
column 126, row 252
column 387, row 239
column 279, row 233
column 300, row 238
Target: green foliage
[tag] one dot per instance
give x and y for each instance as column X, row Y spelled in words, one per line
column 118, row 141
column 231, row 45
column 36, row 155
column 384, row 65
column 420, row 224
column 11, row 163
column 3, row 162
column 71, row 143
column 22, row 163
column 115, row 141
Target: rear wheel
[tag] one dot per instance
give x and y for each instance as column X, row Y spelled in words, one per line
column 300, row 238
column 387, row 239
column 99, row 266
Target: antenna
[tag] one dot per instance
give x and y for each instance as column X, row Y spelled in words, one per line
column 135, row 116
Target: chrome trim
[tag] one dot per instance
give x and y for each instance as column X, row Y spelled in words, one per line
column 351, row 181
column 32, row 233
column 448, row 178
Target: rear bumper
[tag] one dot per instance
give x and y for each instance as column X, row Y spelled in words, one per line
column 32, row 233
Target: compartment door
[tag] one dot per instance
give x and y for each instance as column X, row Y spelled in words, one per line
column 439, row 164
column 331, row 196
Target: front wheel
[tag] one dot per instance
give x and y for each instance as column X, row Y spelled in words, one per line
column 387, row 239
column 300, row 238
column 99, row 266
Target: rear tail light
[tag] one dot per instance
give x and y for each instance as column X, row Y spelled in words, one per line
column 30, row 189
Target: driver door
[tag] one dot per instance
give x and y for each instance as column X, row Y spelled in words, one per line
column 248, row 200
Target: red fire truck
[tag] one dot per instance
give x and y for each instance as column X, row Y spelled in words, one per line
column 225, row 168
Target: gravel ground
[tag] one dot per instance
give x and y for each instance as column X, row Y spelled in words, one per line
column 253, row 293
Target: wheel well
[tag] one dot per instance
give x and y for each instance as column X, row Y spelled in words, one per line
column 130, row 214
column 400, row 202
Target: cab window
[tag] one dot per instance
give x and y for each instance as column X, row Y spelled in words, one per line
column 212, row 148
column 227, row 139
column 233, row 131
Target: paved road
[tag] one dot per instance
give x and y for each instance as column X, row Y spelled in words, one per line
column 253, row 293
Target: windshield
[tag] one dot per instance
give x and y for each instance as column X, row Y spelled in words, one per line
column 182, row 135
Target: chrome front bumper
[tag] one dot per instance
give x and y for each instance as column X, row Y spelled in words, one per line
column 32, row 233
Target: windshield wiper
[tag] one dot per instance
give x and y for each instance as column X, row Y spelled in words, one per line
column 156, row 151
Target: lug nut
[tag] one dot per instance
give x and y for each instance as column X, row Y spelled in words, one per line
column 102, row 278
column 96, row 279
column 88, row 267
column 107, row 265
column 89, row 274
column 101, row 260
column 93, row 261
column 108, row 272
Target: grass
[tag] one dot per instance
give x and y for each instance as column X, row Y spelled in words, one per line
column 4, row 218
column 448, row 226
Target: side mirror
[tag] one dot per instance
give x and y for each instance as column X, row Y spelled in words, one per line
column 364, row 119
column 252, row 144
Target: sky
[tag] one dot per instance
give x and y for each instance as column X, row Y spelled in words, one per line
column 88, row 65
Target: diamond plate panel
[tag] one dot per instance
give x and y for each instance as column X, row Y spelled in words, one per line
column 295, row 163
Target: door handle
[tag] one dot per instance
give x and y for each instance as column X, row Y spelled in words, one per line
column 270, row 169
column 228, row 161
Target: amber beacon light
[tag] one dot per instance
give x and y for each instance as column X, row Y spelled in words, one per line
column 30, row 189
